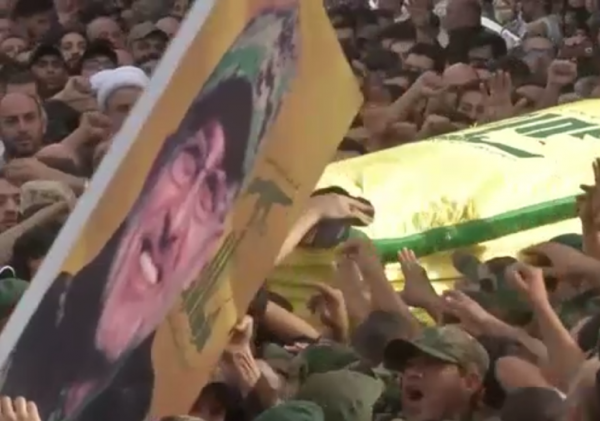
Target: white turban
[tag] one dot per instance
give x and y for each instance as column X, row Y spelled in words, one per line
column 105, row 82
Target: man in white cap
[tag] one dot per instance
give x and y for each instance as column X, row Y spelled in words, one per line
column 117, row 91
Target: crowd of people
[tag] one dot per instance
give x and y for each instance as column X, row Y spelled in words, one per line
column 517, row 338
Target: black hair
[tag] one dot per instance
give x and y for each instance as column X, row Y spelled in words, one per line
column 433, row 52
column 31, row 245
column 342, row 17
column 236, row 122
column 351, row 145
column 588, row 66
column 29, row 8
column 10, row 68
column 395, row 91
column 97, row 48
column 381, row 59
column 400, row 31
column 350, row 51
column 225, row 395
column 517, row 68
column 494, row 41
column 66, row 31
column 365, row 16
column 22, row 77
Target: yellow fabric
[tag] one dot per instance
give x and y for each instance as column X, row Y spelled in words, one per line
column 472, row 174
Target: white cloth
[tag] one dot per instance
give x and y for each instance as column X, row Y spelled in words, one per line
column 106, row 82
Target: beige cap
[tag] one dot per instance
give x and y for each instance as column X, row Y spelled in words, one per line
column 41, row 193
column 142, row 30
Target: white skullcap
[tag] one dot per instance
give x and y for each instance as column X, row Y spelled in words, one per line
column 105, row 82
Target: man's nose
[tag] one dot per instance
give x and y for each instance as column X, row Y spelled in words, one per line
column 22, row 127
column 412, row 373
column 11, row 207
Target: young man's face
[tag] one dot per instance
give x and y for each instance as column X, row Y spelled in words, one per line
column 431, row 389
column 37, row 25
column 51, row 72
column 151, row 46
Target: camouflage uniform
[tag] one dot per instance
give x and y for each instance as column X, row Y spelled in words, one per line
column 446, row 343
column 293, row 411
column 317, row 358
column 344, row 395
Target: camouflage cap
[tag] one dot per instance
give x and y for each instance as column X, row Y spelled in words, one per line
column 446, row 343
column 321, row 358
column 571, row 240
column 344, row 395
column 40, row 193
column 277, row 357
column 293, row 411
column 389, row 403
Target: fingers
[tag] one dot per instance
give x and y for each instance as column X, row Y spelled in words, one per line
column 244, row 325
column 518, row 273
column 596, row 168
column 32, row 410
column 453, row 302
column 313, row 303
column 506, row 81
column 20, row 408
column 7, row 411
column 354, row 246
column 366, row 219
column 357, row 205
column 484, row 90
column 321, row 287
column 407, row 257
column 521, row 104
column 455, row 297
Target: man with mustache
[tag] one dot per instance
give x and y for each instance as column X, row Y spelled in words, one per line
column 22, row 125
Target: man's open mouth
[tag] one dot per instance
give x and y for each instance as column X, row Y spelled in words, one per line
column 413, row 394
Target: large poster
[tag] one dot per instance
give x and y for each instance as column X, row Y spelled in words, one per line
column 195, row 196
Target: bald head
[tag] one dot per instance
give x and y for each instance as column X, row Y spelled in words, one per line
column 106, row 28
column 22, row 124
column 459, row 74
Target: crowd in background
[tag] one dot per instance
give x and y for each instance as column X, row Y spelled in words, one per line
column 515, row 339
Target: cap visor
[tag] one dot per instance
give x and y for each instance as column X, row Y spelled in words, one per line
column 399, row 351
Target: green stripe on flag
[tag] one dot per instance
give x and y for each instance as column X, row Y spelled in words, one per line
column 469, row 233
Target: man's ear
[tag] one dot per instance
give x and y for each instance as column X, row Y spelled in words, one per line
column 473, row 379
